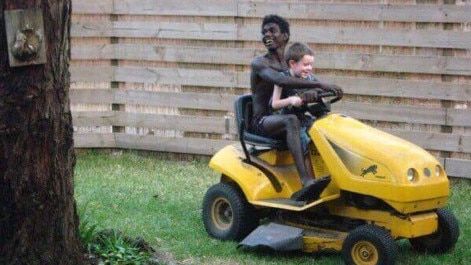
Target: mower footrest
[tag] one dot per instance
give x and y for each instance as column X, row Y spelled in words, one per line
column 313, row 190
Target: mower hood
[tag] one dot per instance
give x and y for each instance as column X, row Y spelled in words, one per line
column 369, row 156
column 360, row 146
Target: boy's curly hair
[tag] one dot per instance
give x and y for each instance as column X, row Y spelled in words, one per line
column 281, row 22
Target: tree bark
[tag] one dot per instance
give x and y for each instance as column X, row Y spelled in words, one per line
column 38, row 217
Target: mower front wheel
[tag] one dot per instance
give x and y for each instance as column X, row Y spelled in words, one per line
column 369, row 245
column 444, row 239
column 226, row 213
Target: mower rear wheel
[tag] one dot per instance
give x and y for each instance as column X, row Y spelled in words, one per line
column 226, row 213
column 369, row 245
column 444, row 239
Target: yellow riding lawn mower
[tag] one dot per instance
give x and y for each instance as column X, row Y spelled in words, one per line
column 371, row 188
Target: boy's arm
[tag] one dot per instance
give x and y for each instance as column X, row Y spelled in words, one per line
column 278, row 103
column 276, row 98
column 263, row 70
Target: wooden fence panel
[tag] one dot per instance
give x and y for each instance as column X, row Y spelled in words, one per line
column 218, row 125
column 356, row 12
column 221, row 102
column 93, row 140
column 172, row 145
column 182, row 100
column 388, row 87
column 293, row 10
column 352, row 85
column 154, row 75
column 147, row 67
column 158, row 7
column 458, row 167
column 400, row 88
column 356, row 86
column 324, row 60
column 316, row 34
column 227, row 125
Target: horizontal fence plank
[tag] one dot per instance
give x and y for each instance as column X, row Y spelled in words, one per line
column 395, row 63
column 93, row 7
column 94, row 140
column 392, row 113
column 170, row 144
column 436, row 141
column 174, row 8
column 446, row 13
column 92, row 96
column 458, row 167
column 224, row 102
column 465, row 144
column 179, row 76
column 357, row 12
column 162, row 30
column 458, row 117
column 157, row 7
column 375, row 36
column 324, row 60
column 92, row 73
column 401, row 88
column 315, row 34
column 351, row 85
column 187, row 123
column 176, row 76
column 226, row 125
column 182, row 54
column 149, row 143
column 454, row 167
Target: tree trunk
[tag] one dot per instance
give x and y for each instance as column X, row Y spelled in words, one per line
column 38, row 217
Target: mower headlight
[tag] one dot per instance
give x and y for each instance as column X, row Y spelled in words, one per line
column 427, row 172
column 412, row 174
column 438, row 170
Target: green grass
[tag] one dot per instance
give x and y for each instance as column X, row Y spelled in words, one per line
column 160, row 200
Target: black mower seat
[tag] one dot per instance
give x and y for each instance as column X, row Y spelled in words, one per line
column 243, row 115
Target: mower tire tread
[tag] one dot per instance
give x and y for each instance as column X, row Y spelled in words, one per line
column 444, row 239
column 226, row 213
column 369, row 244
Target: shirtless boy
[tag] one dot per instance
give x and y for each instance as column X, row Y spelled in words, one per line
column 267, row 72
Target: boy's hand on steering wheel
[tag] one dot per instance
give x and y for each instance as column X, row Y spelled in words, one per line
column 296, row 101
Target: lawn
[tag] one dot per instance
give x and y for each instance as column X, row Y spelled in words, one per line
column 160, row 200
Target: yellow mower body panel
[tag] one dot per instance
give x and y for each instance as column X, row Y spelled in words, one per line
column 359, row 158
column 364, row 160
column 372, row 188
column 254, row 183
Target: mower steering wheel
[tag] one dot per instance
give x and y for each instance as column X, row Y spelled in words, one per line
column 326, row 95
column 321, row 106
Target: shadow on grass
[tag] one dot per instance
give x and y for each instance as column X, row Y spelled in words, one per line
column 266, row 253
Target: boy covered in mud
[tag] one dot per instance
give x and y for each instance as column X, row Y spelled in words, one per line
column 267, row 71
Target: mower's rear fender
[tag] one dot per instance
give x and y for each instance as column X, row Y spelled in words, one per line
column 229, row 161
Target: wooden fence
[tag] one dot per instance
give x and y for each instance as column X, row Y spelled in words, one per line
column 162, row 75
